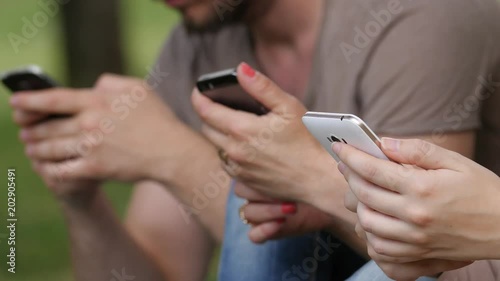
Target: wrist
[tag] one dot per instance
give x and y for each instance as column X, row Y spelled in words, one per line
column 329, row 188
column 81, row 198
column 173, row 163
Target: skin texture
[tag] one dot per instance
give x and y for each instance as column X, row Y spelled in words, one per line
column 266, row 170
column 169, row 200
column 75, row 180
column 439, row 205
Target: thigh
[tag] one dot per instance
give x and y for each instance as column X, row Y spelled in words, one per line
column 307, row 257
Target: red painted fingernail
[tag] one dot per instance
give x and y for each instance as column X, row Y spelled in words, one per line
column 288, row 208
column 281, row 221
column 247, row 70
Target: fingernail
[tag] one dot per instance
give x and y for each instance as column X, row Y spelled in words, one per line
column 337, row 147
column 341, row 167
column 281, row 221
column 247, row 70
column 390, row 144
column 288, row 208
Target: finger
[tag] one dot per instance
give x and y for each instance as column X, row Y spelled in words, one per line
column 242, row 191
column 222, row 118
column 389, row 259
column 51, row 128
column 360, row 232
column 420, row 153
column 393, row 248
column 350, row 201
column 380, row 172
column 414, row 270
column 215, row 136
column 265, row 231
column 263, row 89
column 52, row 101
column 388, row 227
column 68, row 170
column 26, row 118
column 376, row 198
column 257, row 213
column 53, row 150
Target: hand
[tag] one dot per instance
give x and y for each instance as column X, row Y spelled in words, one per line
column 440, row 205
column 408, row 268
column 271, row 219
column 117, row 130
column 273, row 154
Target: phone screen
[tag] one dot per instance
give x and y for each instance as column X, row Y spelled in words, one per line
column 235, row 97
column 26, row 82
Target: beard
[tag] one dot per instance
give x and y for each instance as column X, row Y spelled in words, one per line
column 223, row 15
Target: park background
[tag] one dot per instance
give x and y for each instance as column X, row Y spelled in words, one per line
column 42, row 242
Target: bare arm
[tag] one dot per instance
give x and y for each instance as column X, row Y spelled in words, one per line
column 182, row 249
column 101, row 247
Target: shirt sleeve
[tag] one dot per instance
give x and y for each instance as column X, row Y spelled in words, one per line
column 172, row 76
column 424, row 71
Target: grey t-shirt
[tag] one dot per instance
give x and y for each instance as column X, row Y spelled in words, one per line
column 405, row 67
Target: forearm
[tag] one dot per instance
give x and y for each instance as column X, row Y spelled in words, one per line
column 101, row 247
column 198, row 182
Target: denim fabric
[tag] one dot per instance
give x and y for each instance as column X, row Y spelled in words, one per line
column 309, row 257
column 371, row 272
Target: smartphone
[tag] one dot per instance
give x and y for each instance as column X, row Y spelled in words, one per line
column 27, row 79
column 328, row 128
column 223, row 87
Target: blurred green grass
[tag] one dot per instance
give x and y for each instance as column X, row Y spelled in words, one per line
column 42, row 243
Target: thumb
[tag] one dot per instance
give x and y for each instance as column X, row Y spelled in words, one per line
column 420, row 153
column 262, row 88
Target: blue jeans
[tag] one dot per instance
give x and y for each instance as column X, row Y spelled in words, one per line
column 314, row 257
column 372, row 272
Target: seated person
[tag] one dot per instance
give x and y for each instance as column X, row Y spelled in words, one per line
column 391, row 77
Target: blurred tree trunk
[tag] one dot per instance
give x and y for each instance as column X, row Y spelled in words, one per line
column 92, row 39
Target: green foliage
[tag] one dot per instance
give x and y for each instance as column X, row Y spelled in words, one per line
column 42, row 243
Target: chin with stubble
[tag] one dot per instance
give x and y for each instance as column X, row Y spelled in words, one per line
column 210, row 15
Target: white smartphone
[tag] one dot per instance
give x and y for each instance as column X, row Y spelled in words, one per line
column 328, row 128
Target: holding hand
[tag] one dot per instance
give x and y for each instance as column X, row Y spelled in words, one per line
column 106, row 134
column 274, row 153
column 271, row 219
column 438, row 205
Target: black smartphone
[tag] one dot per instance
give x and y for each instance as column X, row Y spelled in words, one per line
column 30, row 78
column 27, row 79
column 223, row 87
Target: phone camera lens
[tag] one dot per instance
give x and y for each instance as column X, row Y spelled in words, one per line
column 333, row 139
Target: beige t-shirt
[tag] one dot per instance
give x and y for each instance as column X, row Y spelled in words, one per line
column 405, row 67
